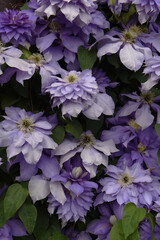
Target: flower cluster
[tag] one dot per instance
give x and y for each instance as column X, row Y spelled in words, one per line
column 80, row 120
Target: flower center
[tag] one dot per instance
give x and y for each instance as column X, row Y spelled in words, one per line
column 125, row 180
column 37, row 59
column 112, row 219
column 132, row 123
column 71, row 78
column 26, row 125
column 141, row 148
column 54, row 27
column 130, row 34
column 76, row 172
column 86, row 140
column 147, row 98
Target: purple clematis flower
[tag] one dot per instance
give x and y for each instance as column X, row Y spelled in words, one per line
column 78, row 92
column 73, row 9
column 13, row 227
column 147, row 9
column 141, row 105
column 130, row 45
column 129, row 184
column 11, row 56
column 68, row 190
column 17, row 26
column 145, row 230
column 26, row 132
column 109, row 215
column 93, row 152
column 152, row 67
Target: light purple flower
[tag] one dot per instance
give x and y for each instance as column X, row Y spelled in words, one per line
column 147, row 9
column 73, row 9
column 13, row 227
column 68, row 190
column 128, row 43
column 26, row 132
column 130, row 184
column 145, row 230
column 152, row 67
column 11, row 56
column 16, row 26
column 109, row 215
column 93, row 152
column 141, row 105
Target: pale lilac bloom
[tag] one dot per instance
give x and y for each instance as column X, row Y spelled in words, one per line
column 128, row 43
column 93, row 152
column 78, row 92
column 152, row 68
column 129, row 184
column 109, row 215
column 26, row 132
column 13, row 227
column 11, row 56
column 141, row 105
column 17, row 26
column 79, row 10
column 68, row 190
column 147, row 9
column 145, row 230
column 78, row 195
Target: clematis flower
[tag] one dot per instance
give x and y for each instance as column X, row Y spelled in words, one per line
column 16, row 26
column 129, row 184
column 128, row 43
column 78, row 92
column 68, row 190
column 73, row 9
column 147, row 9
column 93, row 152
column 152, row 66
column 109, row 215
column 141, row 105
column 13, row 227
column 11, row 56
column 26, row 132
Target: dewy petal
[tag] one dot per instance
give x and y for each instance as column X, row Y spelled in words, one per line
column 93, row 112
column 106, row 102
column 57, row 192
column 131, row 58
column 72, row 108
column 49, row 166
column 17, row 227
column 109, row 48
column 76, row 188
column 143, row 116
column 38, row 188
column 66, row 146
column 45, row 42
column 128, row 108
column 70, row 11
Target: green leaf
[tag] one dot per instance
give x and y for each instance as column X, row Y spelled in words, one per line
column 15, row 197
column 58, row 134
column 26, row 53
column 116, row 232
column 42, row 222
column 86, row 58
column 75, row 128
column 2, row 218
column 157, row 128
column 58, row 236
column 134, row 236
column 130, row 12
column 158, row 157
column 131, row 218
column 151, row 220
column 9, row 100
column 25, row 6
column 28, row 215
